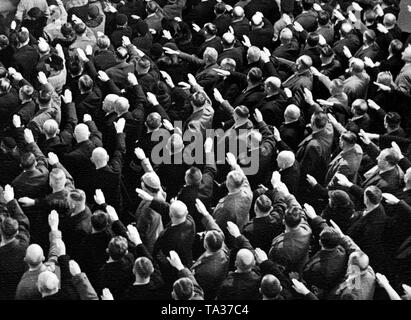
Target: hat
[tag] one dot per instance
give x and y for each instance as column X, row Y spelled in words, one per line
column 4, row 41
column 183, row 288
column 9, row 142
column 151, row 180
column 339, row 198
column 93, row 11
column 263, row 203
column 121, row 19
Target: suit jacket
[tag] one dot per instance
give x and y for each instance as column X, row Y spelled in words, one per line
column 154, row 21
column 201, row 13
column 236, row 54
column 289, row 51
column 119, row 73
column 250, row 97
column 356, row 86
column 212, row 43
column 268, row 8
column 292, row 133
column 24, row 60
column 241, row 28
column 291, row 178
column 261, row 37
column 272, row 108
column 346, row 162
column 308, row 20
column 403, row 80
column 222, row 23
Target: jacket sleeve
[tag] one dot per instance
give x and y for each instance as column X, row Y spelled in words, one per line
column 17, row 213
column 84, row 287
column 116, row 162
column 95, row 134
column 198, row 291
column 210, row 224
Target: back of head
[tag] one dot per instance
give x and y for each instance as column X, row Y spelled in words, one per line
column 329, row 238
column 80, row 28
column 121, row 53
column 396, row 47
column 263, row 204
column 121, row 105
column 210, row 55
column 103, row 42
column 193, row 176
column 228, row 39
column 23, row 36
column 255, row 75
column 67, row 30
column 313, row 39
column 357, row 65
column 228, row 64
column 273, row 82
column 319, row 120
column 285, row 159
column 369, row 36
column 99, row 220
column 5, row 85
column 57, row 179
column 293, row 217
column 235, row 179
column 77, row 199
column 47, row 283
column 292, row 112
column 34, row 255
column 245, row 260
column 85, row 83
column 389, row 20
column 178, row 210
column 349, row 137
column 99, row 157
column 117, row 248
column 323, row 18
column 27, row 161
column 143, row 267
column 327, row 51
column 238, row 12
column 286, row 35
column 346, row 29
column 242, row 112
column 198, row 99
column 370, row 16
column 214, row 240
column 183, row 289
column 153, row 121
column 373, row 194
column 253, row 54
column 108, row 102
column 121, row 20
column 9, row 228
column 81, row 132
column 270, row 286
column 307, row 4
column 257, row 20
column 219, row 8
column 151, row 182
column 340, row 199
column 360, row 259
column 210, row 28
column 360, row 106
column 50, row 127
column 151, row 7
column 393, row 120
column 305, row 61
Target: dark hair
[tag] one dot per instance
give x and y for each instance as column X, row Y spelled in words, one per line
column 56, row 62
column 153, row 120
column 214, row 240
column 151, row 6
column 85, row 83
column 313, row 39
column 210, row 28
column 327, row 51
column 293, row 216
column 198, row 99
column 320, row 119
column 307, row 4
column 117, row 247
column 349, row 137
column 27, row 160
column 393, row 120
column 323, row 18
column 396, row 47
column 99, row 220
column 219, row 8
column 329, row 238
column 373, row 194
column 270, row 286
column 255, row 75
column 9, row 227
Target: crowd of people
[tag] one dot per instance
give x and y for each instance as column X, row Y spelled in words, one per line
column 314, row 96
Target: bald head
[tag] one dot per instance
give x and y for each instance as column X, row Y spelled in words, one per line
column 292, row 113
column 389, row 20
column 121, row 106
column 47, row 283
column 81, row 132
column 109, row 101
column 253, row 54
column 285, row 159
column 50, row 128
column 406, row 54
column 228, row 39
column 34, row 255
column 178, row 211
column 244, row 260
column 99, row 157
column 356, row 65
column 210, row 55
column 257, row 20
column 272, row 84
column 238, row 12
column 286, row 35
column 270, row 286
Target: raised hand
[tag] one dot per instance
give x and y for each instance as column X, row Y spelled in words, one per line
column 171, row 51
column 135, row 17
column 336, row 228
column 201, row 208
column 395, row 147
column 139, row 153
column 308, row 96
column 16, row 121
column 390, row 198
column 133, row 235
column 99, row 197
column 286, row 19
column 42, row 78
column 222, row 72
column 300, row 287
column 103, row 76
column 233, row 229
column 119, row 125
column 231, row 160
column 382, row 87
column 107, row 295
column 217, row 96
column 125, row 41
column 258, row 116
column 144, row 195
column 175, row 260
column 364, row 137
column 321, row 40
column 342, row 180
column 275, row 179
column 81, row 55
column 13, row 25
column 87, row 118
column 347, row 52
column 288, row 92
column 74, row 268
column 317, row 7
column 67, row 97
column 309, row 211
column 192, row 80
column 246, row 42
column 260, row 255
column 373, row 105
column 53, row 220
column 208, row 145
column 196, row 27
column 89, row 50
column 356, row 6
column 382, row 280
column 28, row 136
column 311, row 180
column 27, row 202
column 298, row 27
column 352, row 17
column 167, row 78
column 168, row 125
column 8, row 193
column 52, row 158
column 132, row 79
column 112, row 214
column 152, row 99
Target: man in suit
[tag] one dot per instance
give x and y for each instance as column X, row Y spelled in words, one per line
column 26, row 56
column 289, row 48
column 78, row 161
column 289, row 169
column 254, row 90
column 356, row 86
column 201, row 13
column 268, row 8
column 292, row 130
column 211, row 39
column 222, row 20
column 347, row 161
column 402, row 80
column 347, row 38
column 230, row 51
column 119, row 72
column 308, row 18
column 314, row 151
column 240, row 23
column 261, row 33
column 302, row 77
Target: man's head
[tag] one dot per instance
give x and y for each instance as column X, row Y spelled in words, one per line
column 193, row 176
column 285, row 159
column 109, row 102
column 178, row 212
column 237, row 13
column 210, row 30
column 143, row 268
column 257, row 21
column 286, row 35
column 262, row 206
column 359, row 259
column 304, row 63
column 228, row 64
column 143, row 65
column 370, row 17
column 387, row 159
column 152, row 7
column 319, row 120
column 99, row 221
column 372, row 196
column 389, row 21
column 121, row 20
column 293, row 217
column 81, row 132
column 50, row 128
column 210, row 55
column 395, row 47
column 327, row 54
column 406, row 54
column 57, row 179
column 219, row 8
column 369, row 37
column 47, row 283
column 150, row 182
column 80, row 29
column 228, row 40
column 34, row 256
column 392, row 121
column 272, row 85
column 356, row 66
column 254, row 76
column 312, row 39
column 347, row 140
column 213, row 240
column 28, row 161
column 198, row 100
column 359, row 107
column 183, row 289
column 23, row 38
column 99, row 157
column 407, row 178
column 117, row 248
column 292, row 113
column 323, row 18
column 103, row 42
column 253, row 54
column 121, row 106
column 234, row 180
column 153, row 121
column 329, row 238
column 85, row 83
column 346, row 29
column 77, row 200
column 175, row 144
column 241, row 114
column 270, row 287
column 244, row 261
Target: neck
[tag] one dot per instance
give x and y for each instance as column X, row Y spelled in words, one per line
column 36, row 268
column 78, row 210
column 101, row 165
column 58, row 189
column 176, row 222
column 286, row 121
column 370, row 207
column 140, row 281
